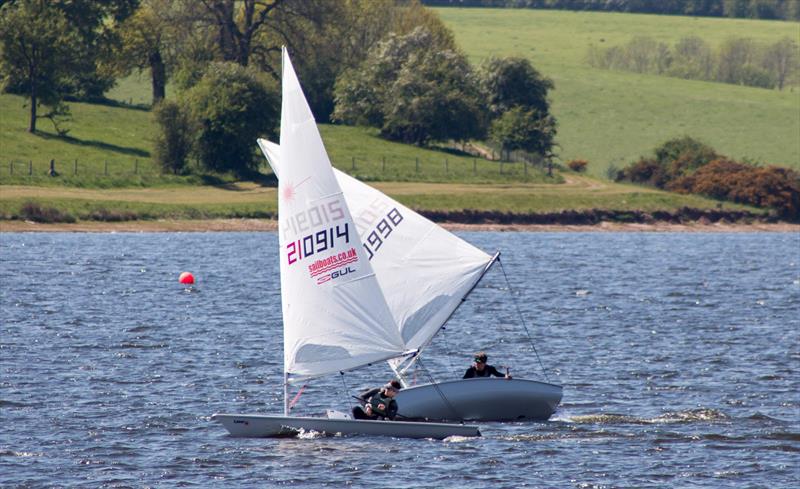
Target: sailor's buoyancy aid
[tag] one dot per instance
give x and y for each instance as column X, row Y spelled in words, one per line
column 380, row 404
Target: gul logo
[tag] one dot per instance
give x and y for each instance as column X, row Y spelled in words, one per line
column 335, row 274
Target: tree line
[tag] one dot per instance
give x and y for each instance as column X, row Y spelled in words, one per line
column 738, row 60
column 747, row 9
column 384, row 63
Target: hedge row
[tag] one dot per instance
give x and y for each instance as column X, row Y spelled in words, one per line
column 688, row 166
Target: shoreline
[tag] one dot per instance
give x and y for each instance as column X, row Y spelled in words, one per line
column 268, row 225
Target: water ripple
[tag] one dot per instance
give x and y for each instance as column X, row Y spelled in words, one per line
column 678, row 355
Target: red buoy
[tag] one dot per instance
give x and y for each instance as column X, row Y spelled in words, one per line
column 186, row 278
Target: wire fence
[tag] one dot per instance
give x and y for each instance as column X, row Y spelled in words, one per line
column 516, row 165
column 55, row 168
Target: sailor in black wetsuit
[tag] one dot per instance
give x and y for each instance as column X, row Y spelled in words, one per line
column 379, row 403
column 480, row 369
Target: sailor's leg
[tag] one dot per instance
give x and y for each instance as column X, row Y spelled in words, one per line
column 358, row 413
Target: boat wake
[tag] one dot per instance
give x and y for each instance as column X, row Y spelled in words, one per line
column 458, row 439
column 310, row 434
column 702, row 415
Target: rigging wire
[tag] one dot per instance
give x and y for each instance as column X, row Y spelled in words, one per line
column 447, row 348
column 349, row 400
column 438, row 390
column 522, row 319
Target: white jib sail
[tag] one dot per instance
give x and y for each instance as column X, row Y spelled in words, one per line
column 423, row 270
column 335, row 316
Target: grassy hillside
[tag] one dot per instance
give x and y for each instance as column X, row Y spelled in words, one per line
column 251, row 200
column 613, row 117
column 122, row 138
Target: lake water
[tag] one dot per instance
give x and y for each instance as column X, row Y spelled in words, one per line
column 679, row 355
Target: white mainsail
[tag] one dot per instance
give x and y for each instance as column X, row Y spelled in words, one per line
column 335, row 316
column 423, row 270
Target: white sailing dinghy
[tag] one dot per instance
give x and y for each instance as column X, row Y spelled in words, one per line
column 335, row 315
column 425, row 273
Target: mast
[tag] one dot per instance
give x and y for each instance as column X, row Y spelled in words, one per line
column 285, row 393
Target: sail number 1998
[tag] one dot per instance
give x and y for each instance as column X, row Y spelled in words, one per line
column 374, row 240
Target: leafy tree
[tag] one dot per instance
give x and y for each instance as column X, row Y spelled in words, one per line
column 37, row 49
column 238, row 22
column 96, row 23
column 673, row 160
column 231, row 106
column 145, row 39
column 174, row 141
column 93, row 23
column 524, row 129
column 781, row 60
column 734, row 55
column 692, row 59
column 435, row 97
column 760, row 9
column 685, row 147
column 517, row 98
column 328, row 37
column 512, row 82
column 412, row 89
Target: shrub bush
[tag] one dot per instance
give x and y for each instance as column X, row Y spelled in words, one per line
column 772, row 187
column 231, row 107
column 578, row 165
column 106, row 215
column 647, row 171
column 686, row 165
column 174, row 140
column 32, row 211
column 685, row 147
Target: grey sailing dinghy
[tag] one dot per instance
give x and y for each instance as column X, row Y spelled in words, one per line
column 425, row 273
column 335, row 314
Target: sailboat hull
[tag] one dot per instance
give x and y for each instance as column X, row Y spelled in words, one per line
column 481, row 399
column 263, row 426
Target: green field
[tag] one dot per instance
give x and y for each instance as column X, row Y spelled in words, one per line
column 121, row 138
column 252, row 200
column 610, row 117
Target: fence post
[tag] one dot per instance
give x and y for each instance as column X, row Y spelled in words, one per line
column 52, row 168
column 384, row 164
column 106, row 170
column 30, row 168
column 76, row 167
column 417, row 160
